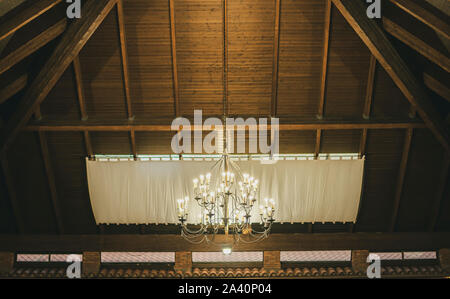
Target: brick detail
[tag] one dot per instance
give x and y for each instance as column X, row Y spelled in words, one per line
column 444, row 258
column 183, row 261
column 359, row 260
column 272, row 260
column 6, row 262
column 91, row 263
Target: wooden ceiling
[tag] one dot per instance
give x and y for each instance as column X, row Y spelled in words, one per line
column 149, row 61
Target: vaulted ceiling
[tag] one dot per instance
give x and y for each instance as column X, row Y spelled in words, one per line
column 300, row 60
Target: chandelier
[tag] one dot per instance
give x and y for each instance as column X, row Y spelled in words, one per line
column 226, row 202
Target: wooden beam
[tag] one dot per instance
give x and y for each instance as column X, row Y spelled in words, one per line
column 32, row 45
column 24, row 14
column 124, row 58
column 370, row 87
column 318, row 142
column 401, row 178
column 51, row 181
column 377, row 42
column 326, row 47
column 418, row 37
column 20, row 224
column 79, row 88
column 439, row 194
column 363, row 143
column 427, row 14
column 275, row 63
column 71, row 43
column 13, row 87
column 169, row 243
column 438, row 81
column 126, row 126
column 173, row 44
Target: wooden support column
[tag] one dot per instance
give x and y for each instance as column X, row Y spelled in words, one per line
column 439, row 194
column 51, row 181
column 183, row 261
column 444, row 259
column 91, row 263
column 12, row 193
column 133, row 143
column 275, row 64
column 318, row 143
column 401, row 178
column 359, row 260
column 6, row 262
column 272, row 260
column 173, row 43
column 124, row 58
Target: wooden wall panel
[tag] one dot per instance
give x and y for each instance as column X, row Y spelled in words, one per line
column 251, row 33
column 301, row 42
column 340, row 141
column 156, row 143
column 148, row 41
column 421, row 182
column 111, row 143
column 383, row 155
column 31, row 184
column 7, row 220
column 102, row 72
column 62, row 101
column 68, row 154
column 388, row 100
column 199, row 54
column 297, row 142
column 348, row 67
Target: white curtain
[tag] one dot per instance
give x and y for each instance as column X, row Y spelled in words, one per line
column 128, row 192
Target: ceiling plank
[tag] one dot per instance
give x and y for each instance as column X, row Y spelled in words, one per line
column 276, row 60
column 32, row 45
column 427, row 14
column 12, row 88
column 414, row 241
column 377, row 42
column 71, row 43
column 418, row 37
column 401, row 178
column 173, row 44
column 51, row 181
column 24, row 14
column 124, row 58
column 326, row 47
column 126, row 126
column 20, row 224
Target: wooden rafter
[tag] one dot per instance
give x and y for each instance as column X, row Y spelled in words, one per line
column 418, row 37
column 427, row 14
column 173, row 44
column 126, row 126
column 32, row 45
column 13, row 87
column 370, row 87
column 24, row 14
column 51, row 181
column 275, row 64
column 71, row 43
column 401, row 178
column 377, row 42
column 165, row 242
column 438, row 81
column 326, row 47
column 124, row 58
